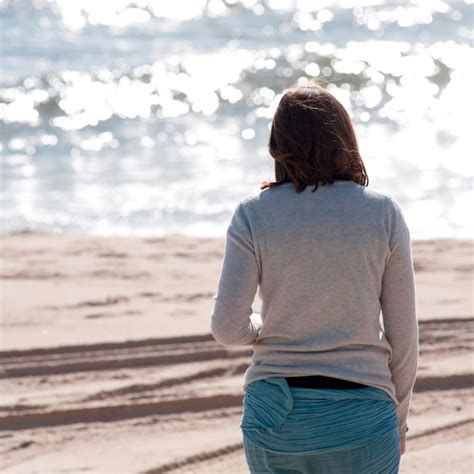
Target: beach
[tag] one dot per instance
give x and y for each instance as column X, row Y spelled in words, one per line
column 130, row 132
column 108, row 364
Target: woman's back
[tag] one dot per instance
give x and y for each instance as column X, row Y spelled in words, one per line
column 325, row 264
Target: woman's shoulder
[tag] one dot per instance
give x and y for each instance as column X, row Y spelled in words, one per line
column 260, row 198
column 256, row 196
column 385, row 197
column 276, row 196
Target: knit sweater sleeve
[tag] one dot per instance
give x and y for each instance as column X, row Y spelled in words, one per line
column 399, row 313
column 230, row 319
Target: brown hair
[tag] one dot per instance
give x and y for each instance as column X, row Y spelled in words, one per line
column 312, row 141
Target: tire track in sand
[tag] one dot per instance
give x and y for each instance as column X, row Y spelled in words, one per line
column 109, row 413
column 435, row 335
column 150, row 352
column 170, row 351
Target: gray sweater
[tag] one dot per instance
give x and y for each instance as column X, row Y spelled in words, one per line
column 326, row 264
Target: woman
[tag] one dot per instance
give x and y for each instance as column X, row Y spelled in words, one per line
column 329, row 388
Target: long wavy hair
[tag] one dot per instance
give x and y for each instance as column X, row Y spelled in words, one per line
column 312, row 141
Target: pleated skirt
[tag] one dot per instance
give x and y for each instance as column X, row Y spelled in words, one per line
column 306, row 430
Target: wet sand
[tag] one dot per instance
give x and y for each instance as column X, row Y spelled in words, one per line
column 108, row 364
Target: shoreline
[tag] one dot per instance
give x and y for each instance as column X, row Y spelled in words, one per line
column 78, row 234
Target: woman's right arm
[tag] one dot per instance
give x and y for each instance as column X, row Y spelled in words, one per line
column 399, row 314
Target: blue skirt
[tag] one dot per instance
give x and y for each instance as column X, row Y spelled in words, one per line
column 305, row 430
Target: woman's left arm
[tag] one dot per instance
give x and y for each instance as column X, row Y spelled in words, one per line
column 238, row 283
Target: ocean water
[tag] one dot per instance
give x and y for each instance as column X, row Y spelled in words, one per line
column 151, row 117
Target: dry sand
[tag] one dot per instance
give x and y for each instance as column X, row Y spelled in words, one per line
column 109, row 366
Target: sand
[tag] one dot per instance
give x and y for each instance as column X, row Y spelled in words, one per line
column 108, row 363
